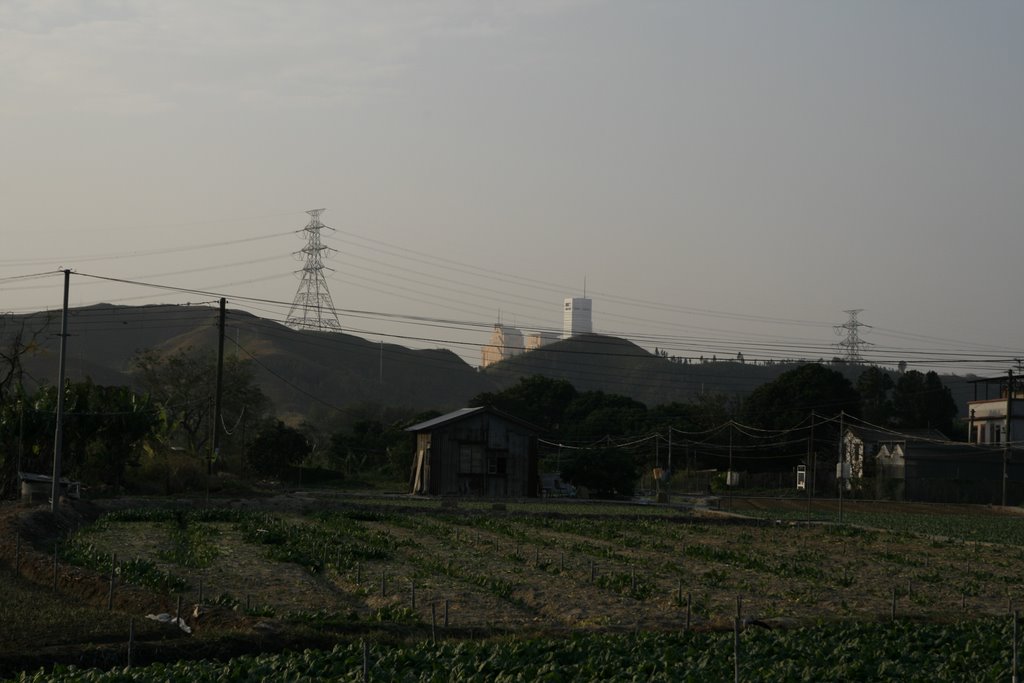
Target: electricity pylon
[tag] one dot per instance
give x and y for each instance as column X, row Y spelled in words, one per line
column 313, row 308
column 852, row 343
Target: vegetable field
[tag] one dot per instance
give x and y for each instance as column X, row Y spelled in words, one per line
column 565, row 591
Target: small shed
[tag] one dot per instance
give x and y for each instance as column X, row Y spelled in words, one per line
column 475, row 452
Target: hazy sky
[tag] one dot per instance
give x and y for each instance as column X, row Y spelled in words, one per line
column 725, row 176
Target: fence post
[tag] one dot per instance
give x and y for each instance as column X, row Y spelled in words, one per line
column 446, row 612
column 736, row 649
column 433, row 622
column 113, row 577
column 1015, row 678
column 131, row 639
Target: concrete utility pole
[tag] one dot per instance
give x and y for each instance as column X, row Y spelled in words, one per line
column 841, row 467
column 58, row 438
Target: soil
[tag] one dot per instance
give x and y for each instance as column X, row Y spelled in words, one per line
column 484, row 572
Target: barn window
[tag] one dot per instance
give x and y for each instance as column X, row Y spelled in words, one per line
column 471, row 459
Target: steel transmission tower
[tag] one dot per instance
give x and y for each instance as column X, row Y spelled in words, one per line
column 312, row 308
column 852, row 344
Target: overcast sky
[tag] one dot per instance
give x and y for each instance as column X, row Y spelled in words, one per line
column 724, row 176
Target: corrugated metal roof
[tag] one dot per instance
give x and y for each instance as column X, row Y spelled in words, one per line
column 463, row 413
column 444, row 419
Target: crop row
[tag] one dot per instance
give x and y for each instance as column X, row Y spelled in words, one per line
column 903, row 651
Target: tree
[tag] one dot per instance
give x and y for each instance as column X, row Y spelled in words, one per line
column 594, row 414
column 607, row 472
column 922, row 400
column 789, row 399
column 276, row 448
column 875, row 387
column 540, row 400
column 118, row 425
column 183, row 386
column 17, row 341
column 105, row 428
column 372, row 446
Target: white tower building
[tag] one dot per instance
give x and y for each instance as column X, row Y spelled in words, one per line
column 576, row 317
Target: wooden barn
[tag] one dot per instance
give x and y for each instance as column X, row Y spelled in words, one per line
column 475, row 452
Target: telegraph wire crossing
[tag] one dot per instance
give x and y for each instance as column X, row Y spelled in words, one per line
column 757, row 352
column 491, row 275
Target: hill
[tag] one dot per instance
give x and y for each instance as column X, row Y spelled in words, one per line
column 616, row 365
column 314, row 375
column 305, row 373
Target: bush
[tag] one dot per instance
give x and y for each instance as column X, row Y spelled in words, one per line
column 168, row 473
column 608, row 472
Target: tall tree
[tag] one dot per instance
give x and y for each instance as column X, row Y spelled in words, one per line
column 594, row 414
column 17, row 341
column 922, row 401
column 875, row 388
column 116, row 424
column 183, row 385
column 789, row 399
column 537, row 399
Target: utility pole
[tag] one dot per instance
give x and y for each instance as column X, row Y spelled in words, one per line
column 58, row 438
column 668, row 484
column 728, row 477
column 841, row 467
column 1006, row 432
column 810, row 451
column 218, row 396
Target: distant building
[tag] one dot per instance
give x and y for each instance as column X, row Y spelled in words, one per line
column 535, row 340
column 576, row 317
column 997, row 421
column 505, row 342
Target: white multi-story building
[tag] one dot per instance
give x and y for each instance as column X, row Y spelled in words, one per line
column 576, row 317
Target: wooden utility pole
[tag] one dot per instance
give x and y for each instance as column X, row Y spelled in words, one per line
column 215, row 441
column 58, row 439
